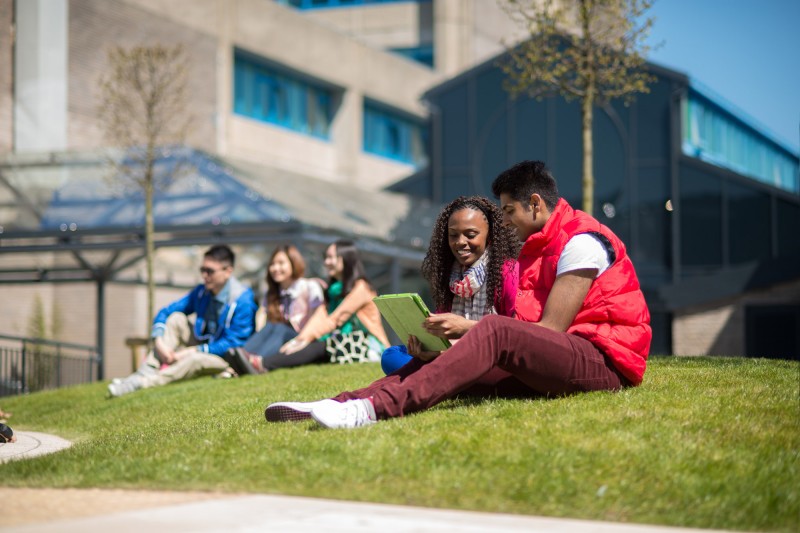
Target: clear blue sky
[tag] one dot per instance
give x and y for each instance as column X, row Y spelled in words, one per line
column 747, row 51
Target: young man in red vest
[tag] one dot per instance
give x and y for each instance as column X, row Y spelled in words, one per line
column 582, row 323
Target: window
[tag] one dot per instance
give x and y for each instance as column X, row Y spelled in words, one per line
column 749, row 223
column 268, row 94
column 719, row 137
column 317, row 4
column 420, row 54
column 701, row 220
column 393, row 135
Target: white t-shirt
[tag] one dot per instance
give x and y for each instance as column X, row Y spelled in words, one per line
column 583, row 251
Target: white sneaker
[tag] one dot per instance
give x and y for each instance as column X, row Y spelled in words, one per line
column 126, row 386
column 292, row 411
column 349, row 414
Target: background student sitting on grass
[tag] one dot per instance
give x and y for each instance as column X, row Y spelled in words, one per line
column 224, row 318
column 582, row 321
column 291, row 300
column 347, row 328
column 471, row 268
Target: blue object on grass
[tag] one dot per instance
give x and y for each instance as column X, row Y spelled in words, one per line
column 394, row 358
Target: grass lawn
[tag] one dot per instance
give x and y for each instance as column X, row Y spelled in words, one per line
column 704, row 442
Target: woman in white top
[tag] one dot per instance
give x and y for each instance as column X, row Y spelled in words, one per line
column 291, row 300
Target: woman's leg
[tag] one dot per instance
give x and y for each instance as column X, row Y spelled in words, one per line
column 269, row 339
column 313, row 353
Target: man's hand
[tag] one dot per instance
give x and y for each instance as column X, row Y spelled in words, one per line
column 163, row 353
column 185, row 352
column 414, row 348
column 448, row 325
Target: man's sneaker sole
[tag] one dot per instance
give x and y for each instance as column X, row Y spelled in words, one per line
column 284, row 413
column 292, row 411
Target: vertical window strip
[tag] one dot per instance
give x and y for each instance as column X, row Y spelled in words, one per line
column 265, row 94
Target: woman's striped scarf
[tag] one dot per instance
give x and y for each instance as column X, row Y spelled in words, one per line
column 469, row 289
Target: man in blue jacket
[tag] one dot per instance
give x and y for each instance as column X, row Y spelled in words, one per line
column 224, row 318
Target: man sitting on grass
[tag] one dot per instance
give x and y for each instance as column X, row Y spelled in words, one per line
column 224, row 312
column 581, row 320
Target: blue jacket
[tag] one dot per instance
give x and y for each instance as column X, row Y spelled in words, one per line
column 236, row 320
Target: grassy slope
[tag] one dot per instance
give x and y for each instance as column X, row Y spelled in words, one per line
column 703, row 442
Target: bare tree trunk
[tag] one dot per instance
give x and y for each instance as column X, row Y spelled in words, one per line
column 588, row 155
column 149, row 245
column 587, row 108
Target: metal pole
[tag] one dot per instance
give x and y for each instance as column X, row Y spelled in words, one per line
column 101, row 314
column 395, row 275
column 24, row 370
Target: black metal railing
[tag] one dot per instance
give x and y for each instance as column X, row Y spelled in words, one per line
column 31, row 365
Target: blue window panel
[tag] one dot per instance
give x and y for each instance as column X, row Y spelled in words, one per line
column 393, row 135
column 320, row 4
column 420, row 54
column 718, row 137
column 265, row 93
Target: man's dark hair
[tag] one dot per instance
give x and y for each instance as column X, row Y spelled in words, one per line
column 221, row 253
column 524, row 179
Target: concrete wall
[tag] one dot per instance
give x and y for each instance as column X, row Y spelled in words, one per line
column 393, row 25
column 6, row 79
column 719, row 329
column 468, row 32
column 40, row 75
column 464, row 32
column 95, row 26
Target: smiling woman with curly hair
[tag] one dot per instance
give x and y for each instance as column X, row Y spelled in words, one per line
column 471, row 268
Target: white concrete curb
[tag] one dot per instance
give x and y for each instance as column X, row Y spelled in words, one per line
column 31, row 444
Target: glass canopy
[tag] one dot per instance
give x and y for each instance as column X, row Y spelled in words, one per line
column 77, row 215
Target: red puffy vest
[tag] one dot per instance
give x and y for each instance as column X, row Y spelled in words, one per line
column 614, row 316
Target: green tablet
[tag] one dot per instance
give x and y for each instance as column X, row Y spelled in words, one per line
column 405, row 314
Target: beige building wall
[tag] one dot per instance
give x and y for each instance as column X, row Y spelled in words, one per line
column 464, row 32
column 719, row 329
column 392, row 25
column 95, row 26
column 468, row 32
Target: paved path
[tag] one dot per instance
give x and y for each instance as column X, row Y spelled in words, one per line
column 31, row 444
column 120, row 511
column 308, row 515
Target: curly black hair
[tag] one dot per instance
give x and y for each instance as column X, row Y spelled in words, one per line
column 502, row 246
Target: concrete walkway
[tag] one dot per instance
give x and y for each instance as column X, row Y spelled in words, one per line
column 309, row 515
column 35, row 510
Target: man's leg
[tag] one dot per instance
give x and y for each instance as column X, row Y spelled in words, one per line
column 177, row 334
column 193, row 365
column 545, row 361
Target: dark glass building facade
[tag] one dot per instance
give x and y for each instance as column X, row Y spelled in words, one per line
column 665, row 178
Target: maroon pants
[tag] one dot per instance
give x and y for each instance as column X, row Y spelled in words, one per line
column 499, row 356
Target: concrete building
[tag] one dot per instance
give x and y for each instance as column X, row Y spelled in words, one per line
column 331, row 93
column 322, row 90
